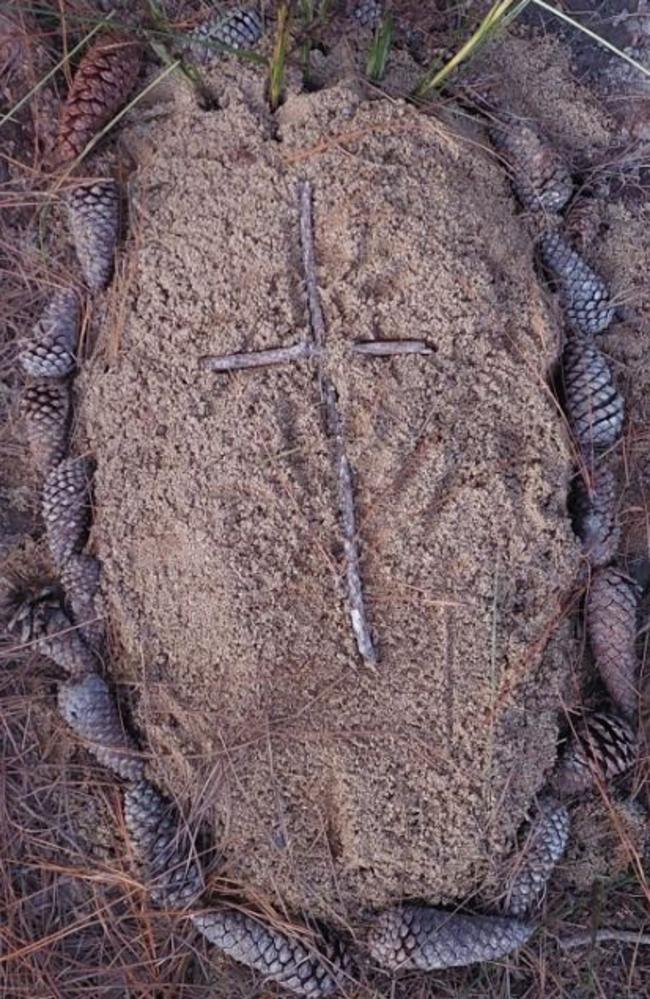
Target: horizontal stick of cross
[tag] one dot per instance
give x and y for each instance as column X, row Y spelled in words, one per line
column 315, row 349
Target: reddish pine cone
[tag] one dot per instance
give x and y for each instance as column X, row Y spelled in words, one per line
column 426, row 939
column 593, row 405
column 89, row 708
column 595, row 515
column 46, row 410
column 237, row 29
column 81, row 575
column 602, row 748
column 544, row 846
column 584, row 293
column 66, row 508
column 101, row 85
column 163, row 846
column 611, row 614
column 540, row 179
column 321, row 969
column 51, row 352
column 94, row 217
column 40, row 618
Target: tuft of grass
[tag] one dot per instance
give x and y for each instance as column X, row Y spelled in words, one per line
column 380, row 50
column 278, row 59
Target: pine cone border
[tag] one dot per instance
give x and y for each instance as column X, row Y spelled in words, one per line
column 602, row 748
column 94, row 217
column 101, row 85
column 89, row 708
column 611, row 615
column 584, row 293
column 39, row 618
column 545, row 845
column 66, row 508
column 418, row 937
column 540, row 179
column 291, row 962
column 46, row 411
column 237, row 29
column 595, row 516
column 51, row 353
column 593, row 405
column 81, row 575
column 163, row 846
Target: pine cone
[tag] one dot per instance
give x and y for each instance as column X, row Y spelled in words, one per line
column 582, row 222
column 427, row 939
column 94, row 216
column 66, row 508
column 540, row 179
column 594, row 407
column 101, row 85
column 81, row 575
column 89, row 708
column 238, row 29
column 367, row 13
column 584, row 293
column 611, row 614
column 163, row 846
column 602, row 748
column 595, row 518
column 51, row 353
column 46, row 409
column 545, row 845
column 41, row 619
column 320, row 970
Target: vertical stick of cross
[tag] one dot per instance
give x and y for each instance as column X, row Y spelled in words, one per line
column 315, row 349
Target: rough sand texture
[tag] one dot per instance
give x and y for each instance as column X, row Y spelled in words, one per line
column 332, row 786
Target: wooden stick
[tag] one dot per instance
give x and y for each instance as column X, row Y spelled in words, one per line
column 605, row 935
column 259, row 358
column 309, row 262
column 386, row 348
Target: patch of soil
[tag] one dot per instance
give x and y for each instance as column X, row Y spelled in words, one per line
column 331, row 786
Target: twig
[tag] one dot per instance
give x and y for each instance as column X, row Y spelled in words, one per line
column 309, row 263
column 385, row 348
column 603, row 936
column 259, row 358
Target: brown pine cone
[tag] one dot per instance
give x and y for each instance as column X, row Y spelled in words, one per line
column 81, row 575
column 66, row 508
column 611, row 614
column 427, row 939
column 544, row 846
column 51, row 352
column 595, row 515
column 39, row 618
column 46, row 410
column 89, row 708
column 94, row 217
column 540, row 179
column 593, row 405
column 163, row 846
column 101, row 85
column 584, row 293
column 236, row 29
column 582, row 222
column 318, row 970
column 602, row 748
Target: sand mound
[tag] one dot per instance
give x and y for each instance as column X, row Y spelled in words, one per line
column 332, row 785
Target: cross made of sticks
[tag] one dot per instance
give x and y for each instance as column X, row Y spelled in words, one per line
column 315, row 349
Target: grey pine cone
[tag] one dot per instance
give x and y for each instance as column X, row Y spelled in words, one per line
column 51, row 351
column 595, row 515
column 367, row 13
column 238, row 29
column 545, row 844
column 426, row 939
column 585, row 295
column 611, row 615
column 66, row 508
column 163, row 846
column 94, row 216
column 46, row 410
column 81, row 575
column 594, row 406
column 40, row 618
column 602, row 748
column 321, row 970
column 540, row 179
column 89, row 708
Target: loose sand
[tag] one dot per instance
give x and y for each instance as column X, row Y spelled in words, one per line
column 333, row 787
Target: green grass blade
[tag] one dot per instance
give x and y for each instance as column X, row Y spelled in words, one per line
column 379, row 50
column 278, row 59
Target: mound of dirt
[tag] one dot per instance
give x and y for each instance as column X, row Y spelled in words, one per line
column 332, row 786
